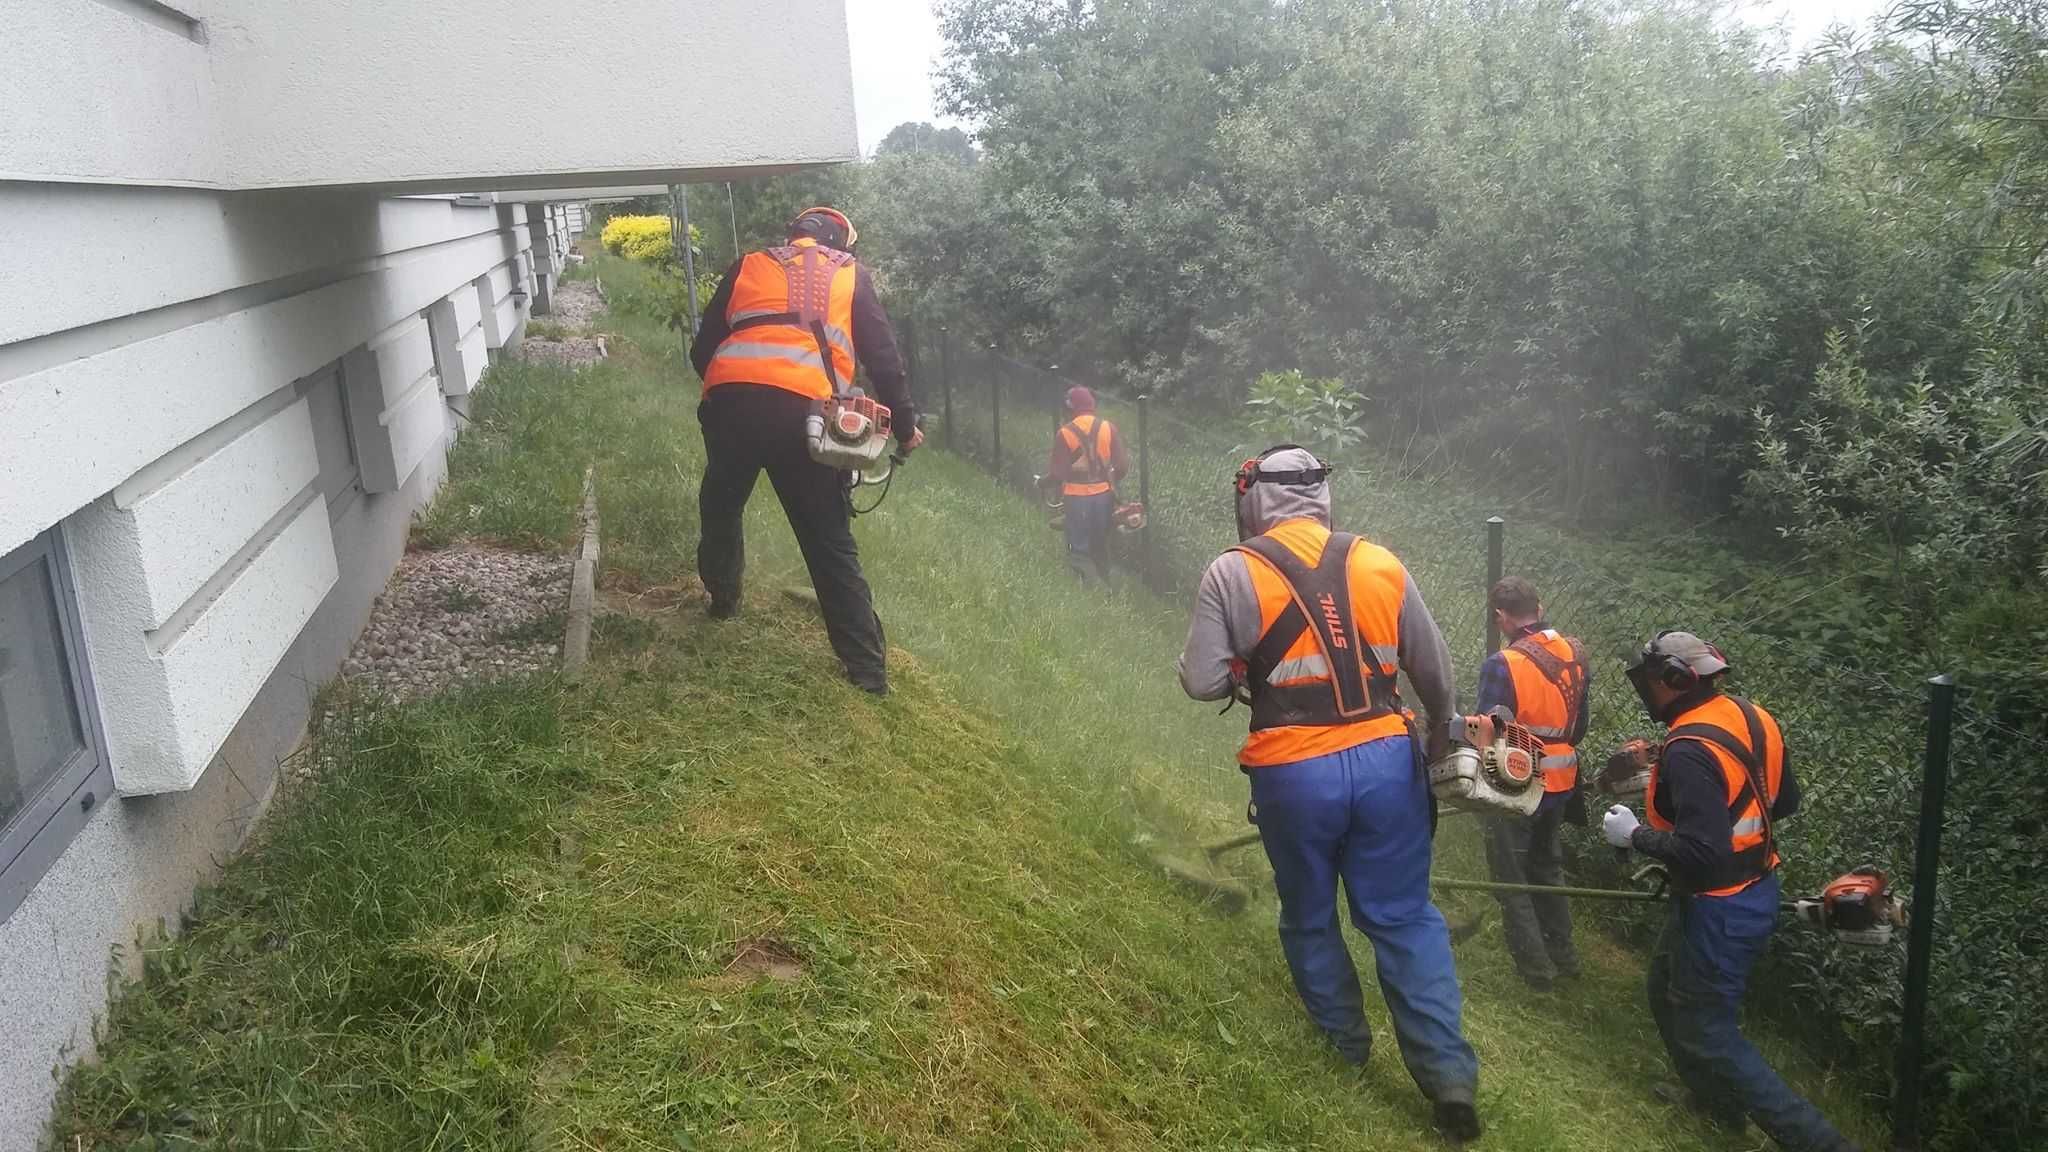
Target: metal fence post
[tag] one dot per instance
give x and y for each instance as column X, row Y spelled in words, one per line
column 995, row 403
column 946, row 384
column 1941, row 700
column 1145, row 568
column 913, row 356
column 1496, row 529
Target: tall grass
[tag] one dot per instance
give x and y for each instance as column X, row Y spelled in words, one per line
column 714, row 897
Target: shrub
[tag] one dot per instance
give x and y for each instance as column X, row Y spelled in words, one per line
column 650, row 239
column 1323, row 415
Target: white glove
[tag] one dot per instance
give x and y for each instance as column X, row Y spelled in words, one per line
column 1619, row 825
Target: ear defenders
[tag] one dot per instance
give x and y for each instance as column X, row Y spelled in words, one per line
column 1249, row 474
column 1669, row 670
column 835, row 215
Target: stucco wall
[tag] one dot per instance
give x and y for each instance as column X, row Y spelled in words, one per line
column 158, row 393
column 365, row 92
column 132, row 871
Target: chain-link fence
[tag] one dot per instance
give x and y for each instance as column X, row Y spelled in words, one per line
column 1858, row 736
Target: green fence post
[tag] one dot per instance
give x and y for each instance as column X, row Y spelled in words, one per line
column 995, row 403
column 946, row 384
column 1941, row 700
column 1145, row 565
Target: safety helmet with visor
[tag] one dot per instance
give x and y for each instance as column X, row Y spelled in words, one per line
column 1678, row 660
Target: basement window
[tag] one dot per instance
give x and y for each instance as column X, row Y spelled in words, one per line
column 53, row 768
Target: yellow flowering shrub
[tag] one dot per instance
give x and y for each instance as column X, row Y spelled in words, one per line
column 647, row 238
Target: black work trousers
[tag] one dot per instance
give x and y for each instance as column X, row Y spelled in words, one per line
column 749, row 428
column 1525, row 850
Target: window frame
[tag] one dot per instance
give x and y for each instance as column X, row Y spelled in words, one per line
column 52, row 818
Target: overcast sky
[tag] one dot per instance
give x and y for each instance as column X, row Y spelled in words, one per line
column 896, row 46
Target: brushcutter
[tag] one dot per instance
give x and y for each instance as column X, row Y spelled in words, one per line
column 1857, row 908
column 1493, row 765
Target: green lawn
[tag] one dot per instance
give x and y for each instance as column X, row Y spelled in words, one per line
column 713, row 897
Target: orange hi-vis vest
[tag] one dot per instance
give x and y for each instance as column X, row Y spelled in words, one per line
column 790, row 322
column 1092, row 445
column 1747, row 743
column 1549, row 671
column 1323, row 675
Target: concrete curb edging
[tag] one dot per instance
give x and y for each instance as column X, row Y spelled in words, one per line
column 582, row 584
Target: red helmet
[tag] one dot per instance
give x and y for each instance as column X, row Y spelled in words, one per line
column 828, row 226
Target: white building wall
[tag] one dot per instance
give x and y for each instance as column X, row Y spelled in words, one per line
column 273, row 94
column 237, row 306
column 161, row 411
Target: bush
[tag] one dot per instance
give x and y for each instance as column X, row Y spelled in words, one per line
column 650, row 239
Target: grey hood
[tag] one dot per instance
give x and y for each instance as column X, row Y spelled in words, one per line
column 1266, row 505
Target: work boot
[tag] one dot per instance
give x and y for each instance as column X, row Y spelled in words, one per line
column 873, row 683
column 1679, row 1096
column 1456, row 1121
column 724, row 609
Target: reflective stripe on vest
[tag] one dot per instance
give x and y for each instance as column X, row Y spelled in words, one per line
column 1091, row 446
column 1726, row 725
column 790, row 307
column 1549, row 674
column 1326, row 601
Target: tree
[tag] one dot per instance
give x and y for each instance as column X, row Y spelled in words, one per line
column 921, row 138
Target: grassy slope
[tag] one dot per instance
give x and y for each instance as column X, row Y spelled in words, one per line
column 509, row 918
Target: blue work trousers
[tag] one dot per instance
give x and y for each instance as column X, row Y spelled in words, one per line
column 1088, row 523
column 1362, row 816
column 1698, row 973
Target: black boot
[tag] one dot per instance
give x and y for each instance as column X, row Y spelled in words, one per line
column 1456, row 1121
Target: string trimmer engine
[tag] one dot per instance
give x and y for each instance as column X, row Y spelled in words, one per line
column 1627, row 773
column 1494, row 764
column 849, row 432
column 1858, row 907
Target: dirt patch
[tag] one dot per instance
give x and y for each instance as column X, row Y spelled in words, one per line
column 462, row 613
column 765, row 957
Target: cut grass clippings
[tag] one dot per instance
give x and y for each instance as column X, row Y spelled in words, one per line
column 714, row 897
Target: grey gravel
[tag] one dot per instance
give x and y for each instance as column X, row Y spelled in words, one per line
column 462, row 613
column 573, row 352
column 576, row 303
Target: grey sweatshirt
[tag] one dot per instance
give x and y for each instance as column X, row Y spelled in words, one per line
column 1225, row 626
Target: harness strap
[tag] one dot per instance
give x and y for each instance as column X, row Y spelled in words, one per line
column 1098, row 469
column 808, row 271
column 1321, row 601
column 1756, row 776
column 1568, row 677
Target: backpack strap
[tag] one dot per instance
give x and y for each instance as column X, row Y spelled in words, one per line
column 1321, row 601
column 1567, row 676
column 1087, row 450
column 808, row 270
column 1756, row 776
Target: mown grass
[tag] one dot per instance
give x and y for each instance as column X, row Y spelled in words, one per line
column 540, row 915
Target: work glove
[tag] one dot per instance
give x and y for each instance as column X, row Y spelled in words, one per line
column 1619, row 825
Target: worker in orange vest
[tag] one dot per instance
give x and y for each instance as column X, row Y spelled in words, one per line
column 1721, row 786
column 1316, row 626
column 1087, row 461
column 1541, row 677
column 783, row 333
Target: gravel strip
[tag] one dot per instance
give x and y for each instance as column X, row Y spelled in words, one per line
column 574, row 352
column 576, row 303
column 462, row 613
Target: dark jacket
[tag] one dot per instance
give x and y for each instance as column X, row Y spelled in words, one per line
column 1698, row 851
